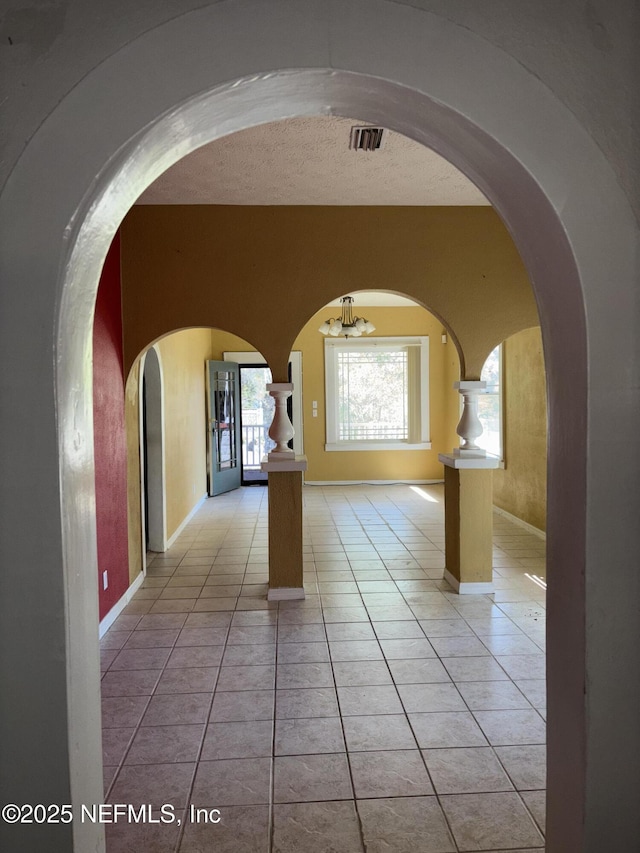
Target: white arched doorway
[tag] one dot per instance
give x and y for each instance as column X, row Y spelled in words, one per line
column 152, row 453
column 435, row 82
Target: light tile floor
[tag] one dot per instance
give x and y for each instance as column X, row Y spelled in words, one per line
column 382, row 713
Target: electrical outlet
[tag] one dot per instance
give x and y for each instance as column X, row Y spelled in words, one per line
column 105, row 580
column 315, row 413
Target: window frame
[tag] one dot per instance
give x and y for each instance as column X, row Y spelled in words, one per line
column 501, row 403
column 418, row 393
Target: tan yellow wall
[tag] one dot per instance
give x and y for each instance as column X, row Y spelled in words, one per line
column 452, row 374
column 131, row 418
column 222, row 342
column 521, row 487
column 372, row 465
column 183, row 356
column 262, row 272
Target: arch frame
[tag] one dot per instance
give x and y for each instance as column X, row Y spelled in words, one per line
column 155, row 493
column 420, row 75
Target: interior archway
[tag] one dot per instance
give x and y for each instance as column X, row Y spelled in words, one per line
column 153, row 453
column 401, row 321
column 571, row 397
column 528, row 180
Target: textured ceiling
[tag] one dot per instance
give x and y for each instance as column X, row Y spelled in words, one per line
column 373, row 298
column 308, row 161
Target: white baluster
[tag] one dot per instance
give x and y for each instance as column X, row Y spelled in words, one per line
column 281, row 430
column 469, row 428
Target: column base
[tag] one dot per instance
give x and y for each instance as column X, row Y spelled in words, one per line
column 469, row 452
column 464, row 588
column 454, row 460
column 285, row 593
column 283, row 462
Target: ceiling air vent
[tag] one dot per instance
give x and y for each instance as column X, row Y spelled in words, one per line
column 366, row 138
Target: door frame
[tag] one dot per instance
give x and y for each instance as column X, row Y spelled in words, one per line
column 295, row 360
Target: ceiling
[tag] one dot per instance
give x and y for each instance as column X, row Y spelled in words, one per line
column 374, row 298
column 303, row 161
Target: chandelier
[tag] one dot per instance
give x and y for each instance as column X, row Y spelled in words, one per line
column 347, row 325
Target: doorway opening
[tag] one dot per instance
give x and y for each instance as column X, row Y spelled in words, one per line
column 256, row 407
column 256, row 413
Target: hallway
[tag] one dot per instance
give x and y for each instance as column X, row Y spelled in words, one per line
column 407, row 718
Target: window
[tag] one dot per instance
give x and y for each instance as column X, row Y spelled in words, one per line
column 377, row 393
column 490, row 404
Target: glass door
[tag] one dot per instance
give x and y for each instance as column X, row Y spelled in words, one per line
column 257, row 407
column 223, row 397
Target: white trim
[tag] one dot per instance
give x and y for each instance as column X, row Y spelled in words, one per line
column 470, row 385
column 295, row 360
column 155, row 464
column 372, row 482
column 346, row 446
column 520, row 522
column 286, row 593
column 185, row 521
column 143, row 537
column 452, row 461
column 418, row 392
column 119, row 606
column 468, row 588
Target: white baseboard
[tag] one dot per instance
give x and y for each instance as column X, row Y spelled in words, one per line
column 185, row 521
column 468, row 588
column 119, row 606
column 514, row 518
column 285, row 593
column 372, row 482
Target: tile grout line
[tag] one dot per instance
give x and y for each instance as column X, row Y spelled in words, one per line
column 185, row 810
column 272, row 774
column 344, row 737
column 197, row 759
column 138, row 726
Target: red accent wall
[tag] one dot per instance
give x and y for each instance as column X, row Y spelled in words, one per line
column 110, row 444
